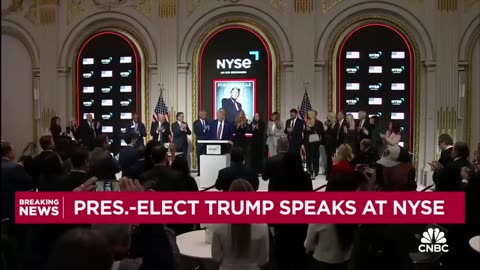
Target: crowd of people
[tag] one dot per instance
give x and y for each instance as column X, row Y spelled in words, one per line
column 360, row 158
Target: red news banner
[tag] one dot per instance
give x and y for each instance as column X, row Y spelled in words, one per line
column 239, row 207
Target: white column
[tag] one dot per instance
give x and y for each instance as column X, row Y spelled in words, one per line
column 321, row 90
column 288, row 91
column 428, row 132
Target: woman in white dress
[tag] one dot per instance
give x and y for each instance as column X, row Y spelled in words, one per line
column 240, row 246
column 274, row 132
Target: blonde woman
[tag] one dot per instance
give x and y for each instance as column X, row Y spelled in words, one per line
column 240, row 129
column 350, row 131
column 274, row 132
column 240, row 246
column 343, row 157
column 330, row 139
column 313, row 135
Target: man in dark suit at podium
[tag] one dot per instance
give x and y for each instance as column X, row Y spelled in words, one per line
column 221, row 129
column 294, row 131
column 180, row 131
column 201, row 128
column 231, row 105
column 89, row 130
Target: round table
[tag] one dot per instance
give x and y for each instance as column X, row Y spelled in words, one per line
column 192, row 244
column 475, row 243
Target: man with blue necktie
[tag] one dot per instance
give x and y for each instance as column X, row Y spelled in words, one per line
column 222, row 129
column 201, row 128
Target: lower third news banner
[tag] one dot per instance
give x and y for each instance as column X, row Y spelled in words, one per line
column 239, row 207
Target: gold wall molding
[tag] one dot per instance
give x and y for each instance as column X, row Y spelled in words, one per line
column 167, row 8
column 447, row 120
column 192, row 6
column 45, row 117
column 144, row 7
column 329, row 4
column 447, row 5
column 108, row 4
column 48, row 11
column 31, row 14
column 274, row 52
column 15, row 6
column 333, row 54
column 278, row 4
column 303, row 6
column 469, row 116
column 74, row 10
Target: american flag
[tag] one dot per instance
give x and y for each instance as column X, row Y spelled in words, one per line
column 161, row 107
column 306, row 105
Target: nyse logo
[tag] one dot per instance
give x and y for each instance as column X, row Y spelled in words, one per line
column 88, row 75
column 353, row 70
column 107, row 116
column 375, row 87
column 237, row 63
column 88, row 103
column 397, row 102
column 352, row 101
column 433, row 240
column 125, row 102
column 375, row 55
column 126, row 73
column 106, row 89
column 398, row 70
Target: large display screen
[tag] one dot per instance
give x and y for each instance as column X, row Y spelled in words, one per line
column 375, row 74
column 235, row 73
column 107, row 83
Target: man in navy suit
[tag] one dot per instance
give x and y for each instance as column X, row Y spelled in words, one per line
column 294, row 131
column 180, row 131
column 138, row 129
column 221, row 129
column 231, row 105
column 128, row 155
column 201, row 128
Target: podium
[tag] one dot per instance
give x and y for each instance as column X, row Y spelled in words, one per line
column 216, row 157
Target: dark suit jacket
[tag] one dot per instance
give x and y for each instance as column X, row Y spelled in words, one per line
column 180, row 137
column 361, row 135
column 448, row 178
column 14, row 178
column 73, row 180
column 87, row 134
column 135, row 170
column 142, row 132
column 127, row 157
column 339, row 131
column 229, row 107
column 276, row 171
column 227, row 131
column 165, row 134
column 166, row 179
column 446, row 157
column 39, row 166
column 200, row 132
column 227, row 175
column 295, row 137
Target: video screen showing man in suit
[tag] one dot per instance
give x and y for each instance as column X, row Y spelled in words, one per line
column 234, row 96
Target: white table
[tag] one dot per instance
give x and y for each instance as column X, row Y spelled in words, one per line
column 475, row 243
column 192, row 244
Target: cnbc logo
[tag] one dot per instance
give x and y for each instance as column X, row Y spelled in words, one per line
column 398, row 70
column 88, row 103
column 375, row 87
column 125, row 74
column 106, row 61
column 397, row 102
column 106, row 89
column 125, row 102
column 88, row 75
column 352, row 101
column 375, row 55
column 107, row 116
column 353, row 69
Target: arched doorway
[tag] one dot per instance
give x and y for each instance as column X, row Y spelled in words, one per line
column 108, row 74
column 375, row 73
